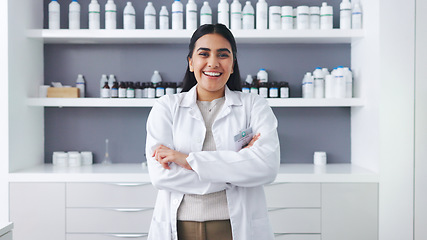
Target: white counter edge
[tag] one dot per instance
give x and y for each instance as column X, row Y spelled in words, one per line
column 136, row 173
column 5, row 228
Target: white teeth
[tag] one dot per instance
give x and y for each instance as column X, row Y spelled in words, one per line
column 212, row 74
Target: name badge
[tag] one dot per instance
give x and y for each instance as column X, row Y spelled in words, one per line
column 243, row 138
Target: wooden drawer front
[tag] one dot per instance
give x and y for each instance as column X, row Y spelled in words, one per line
column 297, row 236
column 101, row 220
column 295, row 220
column 111, row 195
column 293, row 195
column 77, row 236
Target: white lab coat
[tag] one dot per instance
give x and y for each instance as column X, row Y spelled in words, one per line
column 176, row 122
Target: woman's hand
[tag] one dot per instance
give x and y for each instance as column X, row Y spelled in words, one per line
column 165, row 155
column 254, row 139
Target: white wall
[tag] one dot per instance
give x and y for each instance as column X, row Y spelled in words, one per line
column 4, row 126
column 397, row 36
column 420, row 230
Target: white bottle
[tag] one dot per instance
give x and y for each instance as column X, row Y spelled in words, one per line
column 314, row 17
column 262, row 75
column 326, row 16
column 261, row 14
column 104, row 80
column 150, row 16
column 248, row 16
column 325, row 71
column 319, row 83
column 80, row 84
column 110, row 15
column 275, row 21
column 163, row 18
column 156, row 78
column 356, row 19
column 329, row 86
column 54, row 14
column 340, row 83
column 177, row 15
column 287, row 18
column 307, row 86
column 205, row 14
column 111, row 80
column 345, row 14
column 224, row 13
column 303, row 17
column 94, row 15
column 74, row 15
column 191, row 15
column 236, row 15
column 348, row 75
column 129, row 17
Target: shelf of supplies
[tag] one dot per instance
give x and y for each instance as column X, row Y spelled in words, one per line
column 139, row 36
column 147, row 102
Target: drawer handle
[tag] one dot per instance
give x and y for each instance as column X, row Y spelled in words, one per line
column 132, row 209
column 275, row 209
column 131, row 184
column 129, row 235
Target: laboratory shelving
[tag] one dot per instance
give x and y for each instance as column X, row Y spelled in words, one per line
column 120, row 36
column 144, row 102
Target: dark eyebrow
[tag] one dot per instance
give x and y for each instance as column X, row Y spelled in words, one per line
column 219, row 50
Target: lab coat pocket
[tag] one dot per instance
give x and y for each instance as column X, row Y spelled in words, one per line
column 261, row 229
column 159, row 230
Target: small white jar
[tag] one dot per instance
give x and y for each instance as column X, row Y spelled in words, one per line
column 319, row 158
column 60, row 159
column 74, row 159
column 87, row 158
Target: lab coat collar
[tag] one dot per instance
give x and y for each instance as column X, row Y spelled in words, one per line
column 190, row 98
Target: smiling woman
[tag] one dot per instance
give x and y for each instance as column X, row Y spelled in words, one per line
column 211, row 148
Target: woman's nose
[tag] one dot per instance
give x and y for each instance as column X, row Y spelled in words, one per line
column 213, row 62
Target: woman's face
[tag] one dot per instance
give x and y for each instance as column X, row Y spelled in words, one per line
column 212, row 63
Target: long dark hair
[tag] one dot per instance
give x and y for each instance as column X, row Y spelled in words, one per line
column 233, row 82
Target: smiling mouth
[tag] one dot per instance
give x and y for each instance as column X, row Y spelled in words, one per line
column 212, row 74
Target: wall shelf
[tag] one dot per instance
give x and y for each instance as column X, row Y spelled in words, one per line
column 144, row 102
column 141, row 36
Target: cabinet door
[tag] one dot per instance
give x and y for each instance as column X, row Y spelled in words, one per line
column 7, row 236
column 38, row 210
column 293, row 195
column 99, row 236
column 295, row 220
column 349, row 211
column 111, row 195
column 297, row 237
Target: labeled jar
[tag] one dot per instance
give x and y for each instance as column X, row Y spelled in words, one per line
column 160, row 89
column 60, row 159
column 273, row 90
column 284, row 90
column 263, row 89
column 74, row 159
column 170, row 88
column 151, row 91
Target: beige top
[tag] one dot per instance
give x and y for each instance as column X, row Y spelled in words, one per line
column 211, row 206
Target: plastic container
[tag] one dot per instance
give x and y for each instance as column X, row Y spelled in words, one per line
column 191, row 15
column 287, row 18
column 163, row 18
column 345, row 14
column 314, row 17
column 74, row 159
column 340, row 83
column 110, row 15
column 224, row 13
column 329, row 86
column 319, row 158
column 319, row 83
column 60, row 159
column 326, row 16
column 263, row 89
column 261, row 15
column 102, row 82
column 156, row 78
column 54, row 15
column 303, row 17
column 205, row 14
column 177, row 15
column 87, row 158
column 74, row 15
column 356, row 17
column 275, row 21
column 307, row 86
column 150, row 16
column 80, row 84
column 273, row 90
column 236, row 15
column 94, row 15
column 248, row 16
column 262, row 75
column 284, row 90
column 129, row 21
column 348, row 75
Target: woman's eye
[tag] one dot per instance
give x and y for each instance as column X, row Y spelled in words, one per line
column 223, row 55
column 204, row 54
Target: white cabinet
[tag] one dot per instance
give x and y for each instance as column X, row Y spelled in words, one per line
column 349, row 211
column 6, row 231
column 38, row 210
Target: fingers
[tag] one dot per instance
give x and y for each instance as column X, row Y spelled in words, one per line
column 253, row 140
